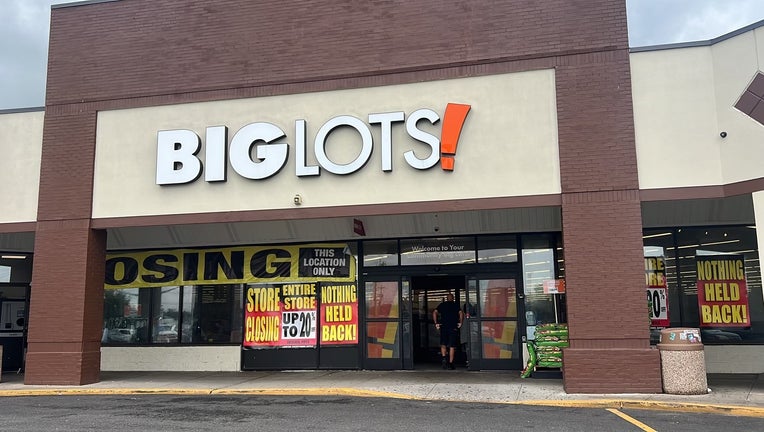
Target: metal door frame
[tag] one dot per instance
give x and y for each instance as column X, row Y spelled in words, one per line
column 403, row 343
column 404, row 274
column 475, row 355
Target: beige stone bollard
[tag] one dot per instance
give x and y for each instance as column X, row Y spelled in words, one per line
column 683, row 363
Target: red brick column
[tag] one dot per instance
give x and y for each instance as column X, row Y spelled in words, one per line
column 602, row 230
column 66, row 304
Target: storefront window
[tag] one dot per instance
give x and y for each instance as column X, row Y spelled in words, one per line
column 12, row 292
column 380, row 253
column 190, row 327
column 126, row 316
column 217, row 309
column 139, row 309
column 210, row 314
column 542, row 267
column 165, row 314
column 497, row 249
column 15, row 268
column 730, row 310
column 728, row 256
column 661, row 281
column 443, row 251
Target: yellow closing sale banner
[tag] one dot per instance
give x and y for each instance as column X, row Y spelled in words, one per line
column 240, row 264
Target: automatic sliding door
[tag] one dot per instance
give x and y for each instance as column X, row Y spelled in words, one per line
column 499, row 346
column 388, row 324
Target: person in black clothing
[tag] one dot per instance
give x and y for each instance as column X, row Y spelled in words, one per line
column 450, row 322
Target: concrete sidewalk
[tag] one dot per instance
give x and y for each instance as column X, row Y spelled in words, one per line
column 730, row 394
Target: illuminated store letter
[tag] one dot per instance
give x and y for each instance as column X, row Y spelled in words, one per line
column 214, row 153
column 176, row 157
column 301, row 169
column 386, row 121
column 271, row 156
column 320, row 145
column 420, row 135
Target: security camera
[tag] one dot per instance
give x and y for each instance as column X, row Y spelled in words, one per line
column 723, row 134
column 436, row 228
column 297, row 199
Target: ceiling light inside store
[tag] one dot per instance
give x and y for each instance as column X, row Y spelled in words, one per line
column 14, row 257
column 688, row 246
column 656, row 235
column 719, row 242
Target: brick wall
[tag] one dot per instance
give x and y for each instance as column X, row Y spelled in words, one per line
column 612, row 370
column 66, row 313
column 178, row 46
column 602, row 230
column 134, row 53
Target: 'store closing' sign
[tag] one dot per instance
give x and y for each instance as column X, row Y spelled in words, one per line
column 285, row 315
column 280, row 315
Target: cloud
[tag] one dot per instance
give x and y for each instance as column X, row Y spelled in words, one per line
column 23, row 52
column 656, row 22
column 25, row 28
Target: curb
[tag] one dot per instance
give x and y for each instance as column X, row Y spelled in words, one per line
column 719, row 409
column 205, row 392
column 736, row 410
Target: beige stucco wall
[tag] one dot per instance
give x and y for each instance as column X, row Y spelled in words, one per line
column 683, row 99
column 191, row 358
column 20, row 153
column 734, row 359
column 508, row 147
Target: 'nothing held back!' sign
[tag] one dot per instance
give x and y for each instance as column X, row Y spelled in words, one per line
column 722, row 291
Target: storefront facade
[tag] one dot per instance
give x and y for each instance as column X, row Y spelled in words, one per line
column 272, row 194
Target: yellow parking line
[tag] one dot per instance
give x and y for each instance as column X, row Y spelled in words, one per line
column 632, row 420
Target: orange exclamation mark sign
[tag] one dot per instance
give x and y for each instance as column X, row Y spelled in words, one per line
column 453, row 120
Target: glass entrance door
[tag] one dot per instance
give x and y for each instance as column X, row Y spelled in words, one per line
column 427, row 293
column 388, row 323
column 494, row 331
column 399, row 329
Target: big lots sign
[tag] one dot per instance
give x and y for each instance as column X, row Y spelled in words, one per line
column 178, row 161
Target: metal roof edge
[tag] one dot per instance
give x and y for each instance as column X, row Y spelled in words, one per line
column 21, row 110
column 708, row 42
column 80, row 3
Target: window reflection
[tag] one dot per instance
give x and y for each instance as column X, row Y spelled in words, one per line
column 126, row 318
column 542, row 261
column 494, row 249
column 166, row 314
column 209, row 314
column 382, row 299
column 380, row 253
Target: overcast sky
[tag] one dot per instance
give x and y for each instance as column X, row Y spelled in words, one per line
column 24, row 35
